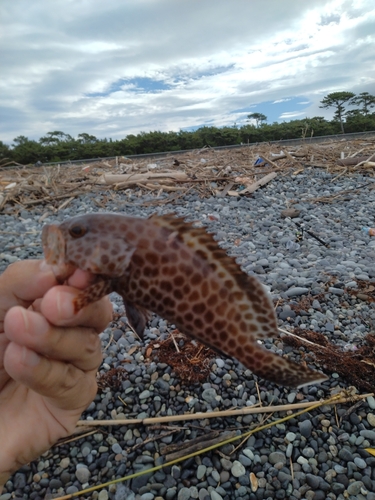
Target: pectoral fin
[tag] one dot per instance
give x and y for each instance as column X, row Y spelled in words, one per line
column 92, row 293
column 137, row 318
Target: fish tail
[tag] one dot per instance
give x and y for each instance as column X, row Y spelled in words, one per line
column 283, row 371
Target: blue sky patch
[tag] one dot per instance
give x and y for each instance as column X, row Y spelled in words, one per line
column 141, row 84
column 275, row 109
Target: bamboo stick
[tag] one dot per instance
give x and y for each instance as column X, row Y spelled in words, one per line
column 210, row 414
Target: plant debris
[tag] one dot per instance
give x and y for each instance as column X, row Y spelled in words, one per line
column 190, row 360
column 356, row 367
column 211, row 172
column 112, row 379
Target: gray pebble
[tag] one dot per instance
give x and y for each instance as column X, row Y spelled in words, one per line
column 238, row 469
column 83, row 475
column 354, row 488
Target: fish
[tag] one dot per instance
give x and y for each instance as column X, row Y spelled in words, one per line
column 177, row 270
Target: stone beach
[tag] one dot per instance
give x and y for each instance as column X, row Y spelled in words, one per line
column 316, row 456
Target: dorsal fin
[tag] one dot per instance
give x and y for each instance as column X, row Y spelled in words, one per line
column 198, row 240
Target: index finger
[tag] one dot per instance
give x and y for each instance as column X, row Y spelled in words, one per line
column 57, row 306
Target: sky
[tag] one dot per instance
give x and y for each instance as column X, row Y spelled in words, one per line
column 118, row 67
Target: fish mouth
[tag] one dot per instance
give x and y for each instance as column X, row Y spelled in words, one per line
column 54, row 249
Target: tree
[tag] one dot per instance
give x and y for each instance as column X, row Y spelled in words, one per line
column 55, row 137
column 258, row 117
column 26, row 151
column 5, row 152
column 365, row 100
column 337, row 100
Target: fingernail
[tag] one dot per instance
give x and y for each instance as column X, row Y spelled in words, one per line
column 29, row 357
column 64, row 302
column 34, row 323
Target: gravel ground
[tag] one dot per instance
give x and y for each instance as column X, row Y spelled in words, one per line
column 315, row 456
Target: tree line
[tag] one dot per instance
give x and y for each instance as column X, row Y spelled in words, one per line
column 59, row 146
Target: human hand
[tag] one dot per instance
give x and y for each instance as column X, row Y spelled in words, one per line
column 49, row 357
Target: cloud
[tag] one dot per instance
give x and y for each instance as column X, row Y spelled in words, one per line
column 115, row 68
column 286, row 99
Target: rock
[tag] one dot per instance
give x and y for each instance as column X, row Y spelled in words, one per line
column 237, row 469
column 354, row 488
column 209, row 395
column 313, row 481
column 276, row 457
column 305, row 428
column 296, row 291
column 290, row 212
column 83, row 475
column 346, row 455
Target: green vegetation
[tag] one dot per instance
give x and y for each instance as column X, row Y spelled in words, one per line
column 58, row 146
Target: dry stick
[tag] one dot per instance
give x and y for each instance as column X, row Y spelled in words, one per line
column 65, row 203
column 50, row 198
column 198, row 416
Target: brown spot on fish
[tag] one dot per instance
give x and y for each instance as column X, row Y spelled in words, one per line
column 220, row 324
column 195, row 295
column 196, row 279
column 178, row 280
column 152, row 258
column 198, row 323
column 199, row 308
column 104, row 259
column 209, row 316
column 212, row 300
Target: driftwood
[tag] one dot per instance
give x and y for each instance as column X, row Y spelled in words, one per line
column 355, row 161
column 256, row 185
column 127, row 180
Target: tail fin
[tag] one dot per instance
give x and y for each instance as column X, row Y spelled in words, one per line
column 282, row 371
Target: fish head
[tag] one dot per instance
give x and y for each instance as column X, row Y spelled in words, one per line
column 92, row 242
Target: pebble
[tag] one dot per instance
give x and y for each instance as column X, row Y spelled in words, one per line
column 305, row 428
column 238, row 469
column 355, row 487
column 277, row 457
column 83, row 475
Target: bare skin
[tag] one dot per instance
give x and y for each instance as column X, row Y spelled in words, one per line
column 49, row 357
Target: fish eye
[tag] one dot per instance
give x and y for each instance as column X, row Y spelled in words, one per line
column 77, row 231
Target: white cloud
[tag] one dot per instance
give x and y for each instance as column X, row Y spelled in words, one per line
column 72, row 65
column 282, row 100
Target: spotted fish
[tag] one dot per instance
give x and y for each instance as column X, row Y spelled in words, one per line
column 165, row 265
